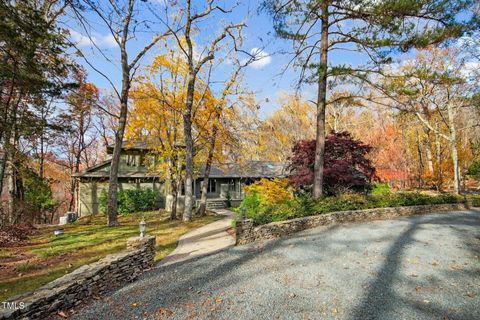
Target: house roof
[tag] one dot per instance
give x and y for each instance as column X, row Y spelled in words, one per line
column 250, row 169
column 130, row 145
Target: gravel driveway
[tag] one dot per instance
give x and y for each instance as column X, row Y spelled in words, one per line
column 423, row 267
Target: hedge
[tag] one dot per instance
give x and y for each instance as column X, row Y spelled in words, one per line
column 304, row 205
column 131, row 200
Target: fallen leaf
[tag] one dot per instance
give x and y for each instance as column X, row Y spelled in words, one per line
column 471, row 295
column 62, row 314
column 165, row 312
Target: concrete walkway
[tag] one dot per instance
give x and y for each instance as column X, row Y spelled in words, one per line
column 203, row 241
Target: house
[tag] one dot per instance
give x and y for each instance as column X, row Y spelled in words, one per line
column 226, row 180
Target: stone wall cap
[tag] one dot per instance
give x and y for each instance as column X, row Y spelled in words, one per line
column 140, row 239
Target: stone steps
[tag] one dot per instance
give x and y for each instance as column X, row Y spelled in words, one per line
column 216, row 204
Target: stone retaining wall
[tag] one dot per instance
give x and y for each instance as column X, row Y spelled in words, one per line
column 87, row 281
column 246, row 232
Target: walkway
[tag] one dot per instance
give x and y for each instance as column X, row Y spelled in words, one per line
column 421, row 267
column 203, row 241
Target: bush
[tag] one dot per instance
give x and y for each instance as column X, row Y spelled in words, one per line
column 474, row 199
column 474, row 170
column 130, row 200
column 346, row 164
column 380, row 189
column 303, row 205
column 264, row 196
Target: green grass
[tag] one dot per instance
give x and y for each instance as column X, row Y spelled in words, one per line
column 83, row 242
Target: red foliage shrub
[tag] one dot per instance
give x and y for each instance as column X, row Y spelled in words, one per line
column 346, row 165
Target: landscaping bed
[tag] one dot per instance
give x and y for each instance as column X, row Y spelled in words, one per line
column 262, row 212
column 43, row 257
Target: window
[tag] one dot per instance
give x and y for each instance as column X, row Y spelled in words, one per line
column 212, row 186
column 131, row 160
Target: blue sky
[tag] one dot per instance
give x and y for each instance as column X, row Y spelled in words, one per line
column 264, row 77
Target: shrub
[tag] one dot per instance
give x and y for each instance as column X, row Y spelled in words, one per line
column 130, row 200
column 303, row 205
column 474, row 170
column 380, row 189
column 263, row 197
column 346, row 165
column 271, row 191
column 474, row 199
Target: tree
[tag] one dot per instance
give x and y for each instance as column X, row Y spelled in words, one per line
column 375, row 29
column 156, row 119
column 221, row 106
column 33, row 72
column 77, row 138
column 191, row 20
column 123, row 21
column 435, row 88
column 292, row 122
column 346, row 164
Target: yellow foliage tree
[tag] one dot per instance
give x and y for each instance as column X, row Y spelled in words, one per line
column 156, row 117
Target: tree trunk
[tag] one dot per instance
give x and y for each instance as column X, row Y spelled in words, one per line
column 428, row 154
column 187, row 129
column 11, row 192
column 173, row 213
column 453, row 147
column 420, row 162
column 321, row 107
column 173, row 181
column 112, row 206
column 438, row 155
column 456, row 170
column 203, row 200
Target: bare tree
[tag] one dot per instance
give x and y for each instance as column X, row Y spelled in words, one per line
column 438, row 89
column 123, row 21
column 221, row 105
column 189, row 20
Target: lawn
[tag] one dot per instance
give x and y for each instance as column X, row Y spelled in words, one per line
column 46, row 257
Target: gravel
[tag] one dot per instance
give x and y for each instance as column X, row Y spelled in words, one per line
column 423, row 267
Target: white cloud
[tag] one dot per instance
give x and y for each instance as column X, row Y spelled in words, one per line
column 262, row 58
column 105, row 41
column 108, row 41
column 79, row 39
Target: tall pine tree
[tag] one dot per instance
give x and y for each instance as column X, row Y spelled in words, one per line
column 375, row 29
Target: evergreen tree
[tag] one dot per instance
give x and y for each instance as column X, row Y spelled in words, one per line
column 376, row 29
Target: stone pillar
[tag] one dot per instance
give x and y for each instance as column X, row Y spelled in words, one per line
column 467, row 202
column 244, row 231
column 146, row 248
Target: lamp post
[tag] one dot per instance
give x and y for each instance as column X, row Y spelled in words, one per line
column 244, row 213
column 142, row 228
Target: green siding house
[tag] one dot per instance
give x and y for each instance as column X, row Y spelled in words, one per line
column 226, row 180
